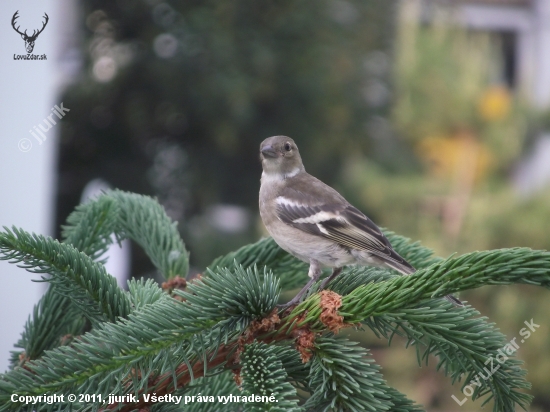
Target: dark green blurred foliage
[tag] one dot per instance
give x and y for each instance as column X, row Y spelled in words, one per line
column 211, row 80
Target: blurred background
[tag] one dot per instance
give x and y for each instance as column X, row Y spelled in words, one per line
column 430, row 116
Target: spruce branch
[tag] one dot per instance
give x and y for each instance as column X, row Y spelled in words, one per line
column 263, row 374
column 112, row 354
column 152, row 343
column 143, row 292
column 73, row 273
column 297, row 371
column 341, row 371
column 239, row 296
column 194, row 335
column 462, row 340
column 221, row 384
column 469, row 271
column 290, row 271
column 464, row 344
column 129, row 215
column 90, row 227
column 185, row 371
column 417, row 255
column 55, row 321
column 176, row 321
column 353, row 277
column 144, row 220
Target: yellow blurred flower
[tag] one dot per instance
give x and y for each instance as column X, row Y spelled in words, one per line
column 495, row 103
column 447, row 156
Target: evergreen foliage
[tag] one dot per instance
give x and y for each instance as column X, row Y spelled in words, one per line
column 73, row 273
column 128, row 215
column 221, row 384
column 290, row 271
column 88, row 336
column 263, row 374
column 340, row 373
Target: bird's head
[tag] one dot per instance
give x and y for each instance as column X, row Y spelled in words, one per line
column 280, row 157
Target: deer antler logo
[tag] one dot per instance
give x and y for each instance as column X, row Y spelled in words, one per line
column 29, row 40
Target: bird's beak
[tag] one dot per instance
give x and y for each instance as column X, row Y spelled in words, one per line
column 268, row 151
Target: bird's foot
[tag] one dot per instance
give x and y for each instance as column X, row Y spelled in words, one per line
column 335, row 272
column 296, row 299
column 288, row 307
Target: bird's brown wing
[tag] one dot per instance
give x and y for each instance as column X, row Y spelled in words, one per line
column 341, row 223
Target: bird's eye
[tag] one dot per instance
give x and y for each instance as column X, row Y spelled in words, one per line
column 288, row 147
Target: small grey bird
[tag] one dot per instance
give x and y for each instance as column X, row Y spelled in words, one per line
column 313, row 222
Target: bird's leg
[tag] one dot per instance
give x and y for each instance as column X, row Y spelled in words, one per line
column 335, row 272
column 314, row 273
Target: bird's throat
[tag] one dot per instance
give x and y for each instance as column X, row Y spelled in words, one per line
column 278, row 176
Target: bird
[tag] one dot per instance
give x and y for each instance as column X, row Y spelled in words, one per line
column 316, row 224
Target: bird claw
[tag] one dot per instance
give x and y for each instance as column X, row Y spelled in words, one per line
column 289, row 305
column 286, row 309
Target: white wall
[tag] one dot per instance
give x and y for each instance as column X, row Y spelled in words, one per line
column 28, row 169
column 28, row 89
column 541, row 84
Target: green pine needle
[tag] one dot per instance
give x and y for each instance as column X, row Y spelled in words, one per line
column 144, row 220
column 290, row 271
column 90, row 226
column 469, row 271
column 239, row 295
column 341, row 372
column 263, row 374
column 74, row 274
column 128, row 215
column 143, row 340
column 221, row 384
column 55, row 321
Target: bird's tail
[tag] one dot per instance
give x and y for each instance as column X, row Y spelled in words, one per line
column 453, row 300
column 406, row 269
